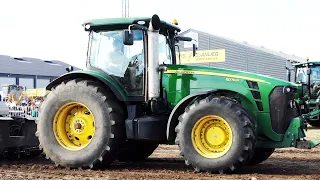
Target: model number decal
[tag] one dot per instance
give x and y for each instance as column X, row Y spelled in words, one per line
column 232, row 79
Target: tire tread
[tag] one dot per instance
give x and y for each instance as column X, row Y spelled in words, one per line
column 116, row 114
column 247, row 122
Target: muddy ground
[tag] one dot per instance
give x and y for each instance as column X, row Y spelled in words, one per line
column 165, row 163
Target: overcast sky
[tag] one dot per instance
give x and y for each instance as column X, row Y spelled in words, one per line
column 52, row 30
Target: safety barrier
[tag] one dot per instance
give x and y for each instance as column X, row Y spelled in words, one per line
column 23, row 111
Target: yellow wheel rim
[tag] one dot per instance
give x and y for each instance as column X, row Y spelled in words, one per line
column 212, row 136
column 73, row 126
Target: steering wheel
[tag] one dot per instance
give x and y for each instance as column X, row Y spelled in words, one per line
column 136, row 61
column 316, row 89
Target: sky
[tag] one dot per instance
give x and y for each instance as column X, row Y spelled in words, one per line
column 51, row 30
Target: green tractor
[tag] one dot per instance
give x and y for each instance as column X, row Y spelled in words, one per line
column 307, row 76
column 134, row 96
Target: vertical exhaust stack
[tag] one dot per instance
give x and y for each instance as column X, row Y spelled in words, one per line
column 153, row 58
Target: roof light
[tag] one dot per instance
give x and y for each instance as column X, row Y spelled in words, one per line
column 87, row 26
column 141, row 22
column 175, row 22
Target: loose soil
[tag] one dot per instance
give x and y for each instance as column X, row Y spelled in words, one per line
column 165, row 163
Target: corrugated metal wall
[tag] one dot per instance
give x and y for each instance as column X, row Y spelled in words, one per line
column 241, row 57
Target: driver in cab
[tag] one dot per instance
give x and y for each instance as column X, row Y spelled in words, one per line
column 118, row 62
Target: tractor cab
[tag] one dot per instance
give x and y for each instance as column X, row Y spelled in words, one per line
column 124, row 48
column 308, row 76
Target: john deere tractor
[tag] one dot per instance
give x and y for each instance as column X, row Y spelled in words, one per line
column 307, row 76
column 134, row 96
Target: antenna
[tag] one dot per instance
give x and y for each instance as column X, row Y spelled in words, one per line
column 125, row 8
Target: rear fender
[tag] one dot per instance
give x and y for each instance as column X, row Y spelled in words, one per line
column 91, row 75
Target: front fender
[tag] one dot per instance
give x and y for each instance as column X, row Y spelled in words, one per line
column 178, row 110
column 91, row 75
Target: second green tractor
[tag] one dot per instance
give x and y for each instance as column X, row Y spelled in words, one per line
column 134, row 96
column 307, row 77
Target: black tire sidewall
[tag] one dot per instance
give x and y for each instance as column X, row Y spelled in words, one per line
column 260, row 155
column 238, row 140
column 90, row 98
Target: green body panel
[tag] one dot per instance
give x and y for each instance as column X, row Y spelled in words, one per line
column 265, row 127
column 114, row 21
column 124, row 23
column 182, row 80
column 293, row 133
column 99, row 75
column 110, row 80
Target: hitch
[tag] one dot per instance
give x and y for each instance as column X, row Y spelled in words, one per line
column 307, row 144
column 304, row 144
column 311, row 143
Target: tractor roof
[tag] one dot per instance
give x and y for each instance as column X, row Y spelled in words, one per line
column 123, row 23
column 311, row 63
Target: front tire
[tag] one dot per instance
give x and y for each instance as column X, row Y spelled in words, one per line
column 215, row 134
column 260, row 155
column 81, row 125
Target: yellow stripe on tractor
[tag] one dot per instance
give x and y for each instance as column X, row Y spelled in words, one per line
column 214, row 74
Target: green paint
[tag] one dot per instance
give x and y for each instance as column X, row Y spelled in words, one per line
column 314, row 142
column 292, row 134
column 179, row 85
column 291, row 138
column 105, row 77
column 303, row 94
column 265, row 127
column 114, row 21
column 123, row 23
column 231, row 83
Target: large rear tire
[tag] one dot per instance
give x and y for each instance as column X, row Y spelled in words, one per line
column 260, row 155
column 215, row 134
column 81, row 125
column 136, row 150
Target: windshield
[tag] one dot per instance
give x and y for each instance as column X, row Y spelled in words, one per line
column 109, row 54
column 314, row 77
column 164, row 51
column 124, row 63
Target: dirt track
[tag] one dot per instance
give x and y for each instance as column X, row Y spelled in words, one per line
column 165, row 163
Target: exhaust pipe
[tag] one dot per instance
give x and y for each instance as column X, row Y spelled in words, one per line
column 153, row 58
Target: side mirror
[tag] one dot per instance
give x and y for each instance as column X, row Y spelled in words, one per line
column 69, row 69
column 308, row 70
column 194, row 48
column 127, row 37
column 182, row 38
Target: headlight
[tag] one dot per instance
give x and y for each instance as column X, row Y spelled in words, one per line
column 87, row 26
column 287, row 89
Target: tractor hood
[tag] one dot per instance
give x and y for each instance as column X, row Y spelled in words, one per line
column 228, row 74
